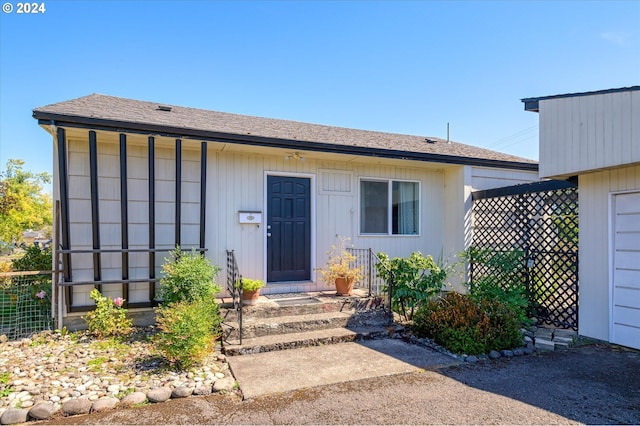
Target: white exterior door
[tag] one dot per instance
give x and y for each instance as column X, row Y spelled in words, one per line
column 625, row 310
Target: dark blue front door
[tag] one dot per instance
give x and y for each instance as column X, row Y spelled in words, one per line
column 288, row 228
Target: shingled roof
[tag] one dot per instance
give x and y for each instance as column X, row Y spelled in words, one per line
column 121, row 114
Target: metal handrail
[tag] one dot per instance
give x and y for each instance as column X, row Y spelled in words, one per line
column 389, row 283
column 234, row 287
column 368, row 259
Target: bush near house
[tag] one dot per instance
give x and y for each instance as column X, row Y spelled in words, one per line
column 489, row 317
column 109, row 318
column 464, row 324
column 189, row 317
column 416, row 279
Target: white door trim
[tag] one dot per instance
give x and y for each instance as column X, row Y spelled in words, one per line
column 312, row 188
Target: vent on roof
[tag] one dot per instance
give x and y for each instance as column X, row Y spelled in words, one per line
column 429, row 140
column 164, row 108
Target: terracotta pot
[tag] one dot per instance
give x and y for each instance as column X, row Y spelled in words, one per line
column 344, row 287
column 250, row 297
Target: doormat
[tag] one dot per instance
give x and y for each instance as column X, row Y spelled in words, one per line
column 298, row 301
column 278, row 296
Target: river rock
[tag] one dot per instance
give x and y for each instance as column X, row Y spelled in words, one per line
column 42, row 411
column 506, row 353
column 202, row 390
column 134, row 398
column 181, row 392
column 76, row 406
column 224, row 384
column 159, row 394
column 494, row 354
column 14, row 416
column 105, row 403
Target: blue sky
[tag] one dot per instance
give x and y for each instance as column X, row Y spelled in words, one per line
column 403, row 67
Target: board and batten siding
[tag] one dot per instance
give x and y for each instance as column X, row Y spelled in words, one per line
column 236, row 182
column 587, row 133
column 483, row 178
column 80, row 220
column 595, row 255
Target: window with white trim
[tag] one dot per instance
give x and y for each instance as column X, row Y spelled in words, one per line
column 389, row 207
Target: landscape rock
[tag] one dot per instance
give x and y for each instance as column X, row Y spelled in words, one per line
column 42, row 410
column 494, row 354
column 76, row 406
column 159, row 394
column 506, row 353
column 105, row 403
column 202, row 390
column 134, row 399
column 181, row 392
column 472, row 359
column 518, row 352
column 225, row 384
column 14, row 416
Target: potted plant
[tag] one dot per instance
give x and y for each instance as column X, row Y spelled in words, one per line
column 339, row 270
column 250, row 290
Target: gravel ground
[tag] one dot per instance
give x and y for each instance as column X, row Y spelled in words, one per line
column 594, row 384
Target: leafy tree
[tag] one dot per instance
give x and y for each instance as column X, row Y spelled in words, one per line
column 23, row 205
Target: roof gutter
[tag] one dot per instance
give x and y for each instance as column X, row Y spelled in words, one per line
column 45, row 118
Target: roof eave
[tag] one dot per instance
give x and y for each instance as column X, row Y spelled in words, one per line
column 47, row 118
column 532, row 104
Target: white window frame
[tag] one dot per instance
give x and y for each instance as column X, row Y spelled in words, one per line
column 389, row 232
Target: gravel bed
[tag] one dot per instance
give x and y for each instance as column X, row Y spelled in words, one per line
column 58, row 369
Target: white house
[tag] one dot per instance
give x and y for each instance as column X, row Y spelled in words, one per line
column 596, row 137
column 133, row 179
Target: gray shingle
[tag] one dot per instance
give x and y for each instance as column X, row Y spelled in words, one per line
column 131, row 111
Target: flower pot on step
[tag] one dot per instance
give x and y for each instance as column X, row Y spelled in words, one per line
column 344, row 286
column 250, row 297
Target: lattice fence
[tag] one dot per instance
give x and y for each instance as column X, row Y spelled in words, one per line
column 535, row 226
column 25, row 303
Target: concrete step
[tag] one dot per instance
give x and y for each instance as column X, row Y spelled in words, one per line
column 271, row 343
column 306, row 303
column 284, row 324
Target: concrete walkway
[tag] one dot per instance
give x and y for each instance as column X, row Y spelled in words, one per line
column 281, row 371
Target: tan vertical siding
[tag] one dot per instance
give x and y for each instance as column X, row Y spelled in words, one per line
column 595, row 190
column 585, row 133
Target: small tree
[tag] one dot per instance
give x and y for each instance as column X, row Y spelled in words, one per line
column 189, row 318
column 23, row 205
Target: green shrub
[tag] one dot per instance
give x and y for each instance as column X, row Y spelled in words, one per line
column 109, row 318
column 501, row 278
column 467, row 325
column 188, row 330
column 188, row 276
column 34, row 259
column 416, row 279
column 250, row 285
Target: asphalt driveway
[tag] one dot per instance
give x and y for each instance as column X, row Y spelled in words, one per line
column 594, row 384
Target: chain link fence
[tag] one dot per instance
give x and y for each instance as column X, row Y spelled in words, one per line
column 25, row 303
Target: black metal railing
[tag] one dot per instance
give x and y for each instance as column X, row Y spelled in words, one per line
column 367, row 259
column 234, row 288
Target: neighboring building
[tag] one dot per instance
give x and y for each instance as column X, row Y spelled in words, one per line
column 276, row 192
column 596, row 137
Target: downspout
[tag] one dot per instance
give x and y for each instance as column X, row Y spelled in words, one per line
column 56, row 295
